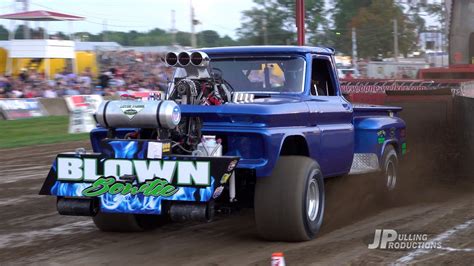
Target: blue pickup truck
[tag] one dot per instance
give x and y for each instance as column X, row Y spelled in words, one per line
column 258, row 126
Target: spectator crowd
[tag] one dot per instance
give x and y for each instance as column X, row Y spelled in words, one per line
column 121, row 72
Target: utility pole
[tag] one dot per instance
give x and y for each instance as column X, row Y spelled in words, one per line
column 395, row 40
column 104, row 30
column 26, row 26
column 300, row 21
column 194, row 22
column 26, row 29
column 265, row 30
column 354, row 49
column 443, row 30
column 173, row 27
column 264, row 23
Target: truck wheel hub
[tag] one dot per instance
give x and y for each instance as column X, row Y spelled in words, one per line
column 391, row 176
column 312, row 199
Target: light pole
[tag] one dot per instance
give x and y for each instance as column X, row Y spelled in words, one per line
column 300, row 21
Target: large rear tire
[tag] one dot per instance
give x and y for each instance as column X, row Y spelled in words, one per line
column 289, row 205
column 388, row 181
column 119, row 222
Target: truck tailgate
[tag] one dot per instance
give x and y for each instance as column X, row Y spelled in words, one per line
column 369, row 109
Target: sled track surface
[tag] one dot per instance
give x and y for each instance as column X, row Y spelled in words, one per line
column 31, row 231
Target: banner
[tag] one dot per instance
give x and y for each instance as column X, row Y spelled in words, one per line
column 82, row 109
column 126, row 180
column 21, row 108
column 87, row 102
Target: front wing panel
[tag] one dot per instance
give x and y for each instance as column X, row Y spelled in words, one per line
column 141, row 188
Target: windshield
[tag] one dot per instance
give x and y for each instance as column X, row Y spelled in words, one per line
column 265, row 74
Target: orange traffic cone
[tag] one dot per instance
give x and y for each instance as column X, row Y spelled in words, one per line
column 278, row 259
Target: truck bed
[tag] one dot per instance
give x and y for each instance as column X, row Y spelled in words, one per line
column 361, row 109
column 376, row 126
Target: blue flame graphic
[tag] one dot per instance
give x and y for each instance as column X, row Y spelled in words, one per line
column 68, row 189
column 124, row 149
column 54, row 166
column 206, row 193
column 131, row 204
column 139, row 203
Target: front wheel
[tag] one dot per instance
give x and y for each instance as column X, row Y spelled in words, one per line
column 289, row 205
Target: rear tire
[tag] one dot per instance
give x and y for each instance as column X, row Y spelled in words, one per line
column 388, row 181
column 120, row 222
column 289, row 205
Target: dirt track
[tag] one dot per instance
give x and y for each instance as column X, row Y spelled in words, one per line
column 32, row 232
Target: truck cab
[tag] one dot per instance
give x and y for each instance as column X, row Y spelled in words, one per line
column 297, row 96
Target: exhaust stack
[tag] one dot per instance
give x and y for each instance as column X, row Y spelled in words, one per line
column 77, row 206
column 171, row 59
column 184, row 58
column 190, row 211
column 196, row 63
column 199, row 59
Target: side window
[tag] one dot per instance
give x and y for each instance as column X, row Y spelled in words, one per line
column 321, row 82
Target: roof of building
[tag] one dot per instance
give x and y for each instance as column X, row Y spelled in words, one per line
column 41, row 15
column 93, row 46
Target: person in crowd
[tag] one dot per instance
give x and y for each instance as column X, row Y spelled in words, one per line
column 23, row 76
column 121, row 72
column 49, row 91
column 71, row 90
column 104, row 79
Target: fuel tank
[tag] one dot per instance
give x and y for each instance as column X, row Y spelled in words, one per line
column 138, row 114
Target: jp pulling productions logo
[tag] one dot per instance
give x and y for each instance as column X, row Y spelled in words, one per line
column 391, row 239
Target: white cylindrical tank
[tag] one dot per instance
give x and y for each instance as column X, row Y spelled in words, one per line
column 138, row 114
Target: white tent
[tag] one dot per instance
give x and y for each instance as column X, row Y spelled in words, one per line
column 40, row 48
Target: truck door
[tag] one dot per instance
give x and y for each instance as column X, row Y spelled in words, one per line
column 333, row 117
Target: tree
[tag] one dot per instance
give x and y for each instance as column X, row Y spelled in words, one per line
column 315, row 20
column 165, row 39
column 208, row 38
column 115, row 36
column 183, row 38
column 436, row 10
column 227, row 41
column 130, row 38
column 153, row 37
column 19, row 32
column 274, row 22
column 374, row 26
column 344, row 12
column 265, row 24
column 3, row 33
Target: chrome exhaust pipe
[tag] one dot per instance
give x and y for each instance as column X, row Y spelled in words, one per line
column 184, row 59
column 199, row 59
column 195, row 63
column 171, row 59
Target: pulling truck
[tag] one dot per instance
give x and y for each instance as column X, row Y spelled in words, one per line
column 239, row 126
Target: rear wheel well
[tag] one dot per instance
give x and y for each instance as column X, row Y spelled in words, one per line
column 394, row 144
column 294, row 145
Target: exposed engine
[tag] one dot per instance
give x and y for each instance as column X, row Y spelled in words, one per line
column 198, row 84
column 160, row 119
